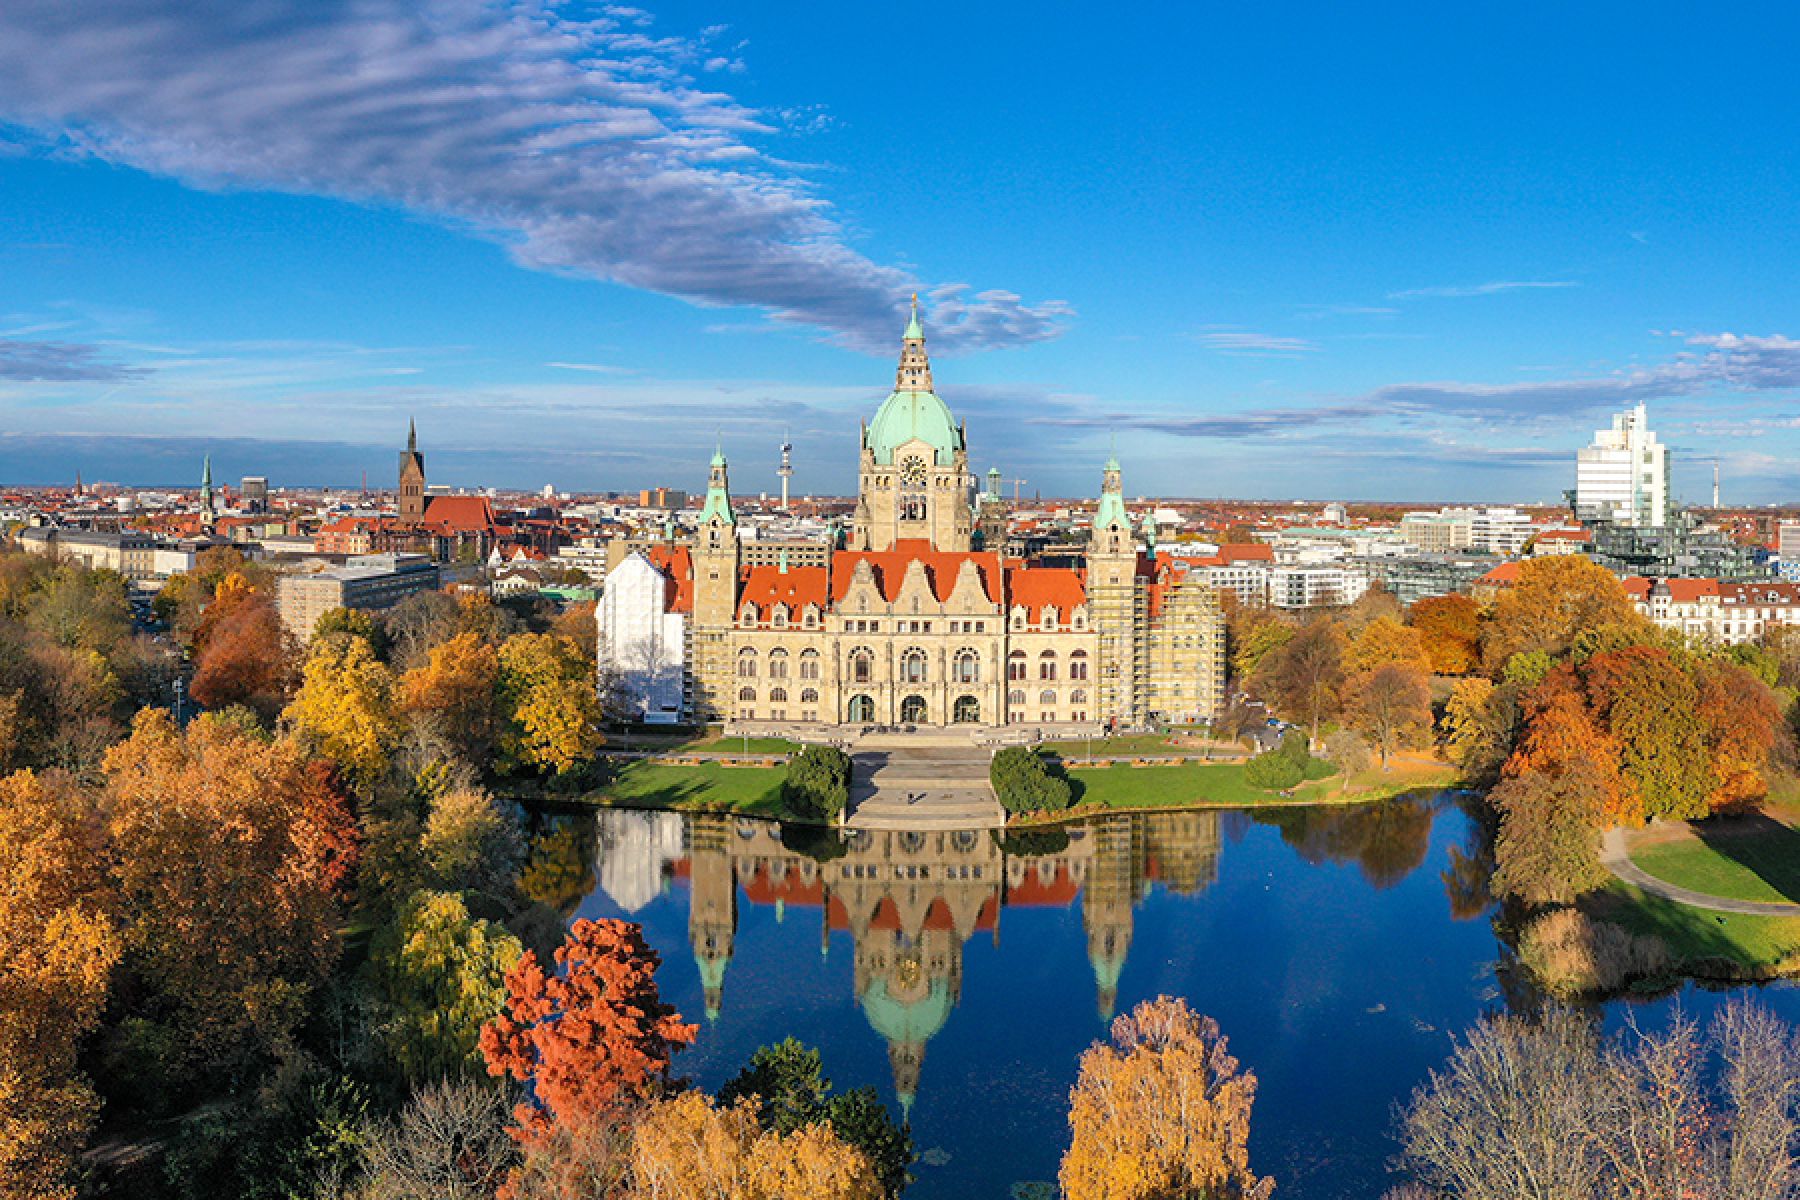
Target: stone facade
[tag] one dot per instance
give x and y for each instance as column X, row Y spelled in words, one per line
column 916, row 624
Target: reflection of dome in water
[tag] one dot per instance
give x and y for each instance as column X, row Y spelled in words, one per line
column 900, row 1021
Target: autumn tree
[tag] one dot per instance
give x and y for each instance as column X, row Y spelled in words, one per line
column 471, row 842
column 1253, row 636
column 687, row 1146
column 243, row 653
column 1384, row 641
column 1552, row 601
column 1740, row 720
column 79, row 609
column 1560, row 734
column 59, row 944
column 1348, row 753
column 547, row 695
column 454, row 694
column 1547, row 850
column 1304, row 677
column 1651, row 709
column 589, row 1037
column 441, row 976
column 1391, row 705
column 1162, row 1110
column 787, row 1087
column 1479, row 724
column 1451, row 629
column 448, row 1143
column 228, row 909
column 345, row 707
column 327, row 834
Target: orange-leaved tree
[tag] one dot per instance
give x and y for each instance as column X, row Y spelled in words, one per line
column 1384, row 641
column 58, row 946
column 1552, row 600
column 226, row 885
column 242, row 653
column 1162, row 1110
column 589, row 1037
column 453, row 693
column 1742, row 722
column 1559, row 734
column 1451, row 628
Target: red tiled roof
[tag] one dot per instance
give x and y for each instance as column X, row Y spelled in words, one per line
column 1038, row 588
column 1505, row 573
column 1563, row 535
column 460, row 514
column 1687, row 591
column 678, row 566
column 1637, row 587
column 1246, row 552
column 1760, row 593
column 797, row 587
column 890, row 568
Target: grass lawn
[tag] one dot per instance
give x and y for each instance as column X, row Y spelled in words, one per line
column 1755, row 943
column 1223, row 785
column 1129, row 744
column 711, row 743
column 1740, row 869
column 708, row 787
column 1219, row 784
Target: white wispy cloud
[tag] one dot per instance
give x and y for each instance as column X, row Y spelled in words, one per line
column 58, row 362
column 590, row 368
column 1459, row 291
column 582, row 144
column 1230, row 340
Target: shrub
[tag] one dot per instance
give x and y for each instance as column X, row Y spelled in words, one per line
column 1573, row 955
column 1279, row 769
column 1024, row 782
column 817, row 786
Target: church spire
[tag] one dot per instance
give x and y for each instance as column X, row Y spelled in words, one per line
column 412, row 437
column 718, row 492
column 914, row 374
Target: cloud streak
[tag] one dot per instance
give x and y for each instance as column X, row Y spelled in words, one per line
column 581, row 144
column 58, row 362
column 1463, row 291
column 1241, row 341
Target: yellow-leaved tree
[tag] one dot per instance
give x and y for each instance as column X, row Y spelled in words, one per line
column 552, row 707
column 345, row 706
column 687, row 1146
column 58, row 948
column 1162, row 1110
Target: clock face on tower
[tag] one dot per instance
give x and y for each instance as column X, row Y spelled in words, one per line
column 912, row 469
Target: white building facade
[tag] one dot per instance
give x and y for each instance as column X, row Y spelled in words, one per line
column 1624, row 476
column 642, row 644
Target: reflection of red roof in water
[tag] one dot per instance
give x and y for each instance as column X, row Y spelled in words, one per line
column 1033, row 890
column 761, row 888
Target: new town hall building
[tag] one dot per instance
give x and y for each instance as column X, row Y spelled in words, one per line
column 914, row 621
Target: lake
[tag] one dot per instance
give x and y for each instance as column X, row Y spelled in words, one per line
column 1339, row 948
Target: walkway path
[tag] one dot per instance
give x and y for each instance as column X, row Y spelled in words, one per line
column 921, row 781
column 1615, row 858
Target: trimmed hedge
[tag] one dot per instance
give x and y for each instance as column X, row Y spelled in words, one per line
column 817, row 786
column 1024, row 782
column 1279, row 769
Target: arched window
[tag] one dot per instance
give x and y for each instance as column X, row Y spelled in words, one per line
column 809, row 664
column 810, row 618
column 778, row 663
column 1047, row 665
column 1078, row 696
column 1046, row 697
column 1016, row 698
column 966, row 667
column 777, row 695
column 747, row 695
column 780, row 616
column 1078, row 666
column 809, row 696
column 862, row 667
column 746, row 663
column 912, row 710
column 862, row 709
column 748, row 616
column 912, row 666
column 1015, row 666
column 1049, row 617
column 967, row 710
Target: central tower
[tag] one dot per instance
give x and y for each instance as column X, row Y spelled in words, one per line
column 913, row 482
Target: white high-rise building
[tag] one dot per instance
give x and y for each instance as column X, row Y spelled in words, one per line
column 1624, row 476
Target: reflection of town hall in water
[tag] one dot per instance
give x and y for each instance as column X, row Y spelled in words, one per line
column 920, row 619
column 909, row 900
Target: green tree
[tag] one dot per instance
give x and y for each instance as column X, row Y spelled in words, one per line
column 817, row 784
column 1651, row 708
column 1279, row 768
column 441, row 976
column 786, row 1082
column 1024, row 782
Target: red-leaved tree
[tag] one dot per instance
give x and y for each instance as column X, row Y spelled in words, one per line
column 590, row 1038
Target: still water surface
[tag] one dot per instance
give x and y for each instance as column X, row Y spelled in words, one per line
column 1338, row 949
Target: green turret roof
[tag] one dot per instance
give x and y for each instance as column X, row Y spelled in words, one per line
column 913, row 328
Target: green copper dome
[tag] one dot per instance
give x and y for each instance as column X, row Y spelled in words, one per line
column 904, row 416
column 897, row 1021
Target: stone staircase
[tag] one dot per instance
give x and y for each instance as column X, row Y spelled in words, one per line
column 921, row 781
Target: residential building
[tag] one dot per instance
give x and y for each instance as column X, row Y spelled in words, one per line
column 1713, row 612
column 1316, row 586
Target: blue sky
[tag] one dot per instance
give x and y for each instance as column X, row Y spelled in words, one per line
column 1280, row 250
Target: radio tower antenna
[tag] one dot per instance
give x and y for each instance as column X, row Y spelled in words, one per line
column 1715, row 484
column 786, row 470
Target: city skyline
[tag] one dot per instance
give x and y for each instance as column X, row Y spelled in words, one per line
column 1226, row 251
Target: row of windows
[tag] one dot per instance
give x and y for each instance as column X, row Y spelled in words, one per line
column 914, row 665
column 777, row 696
column 1016, row 697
